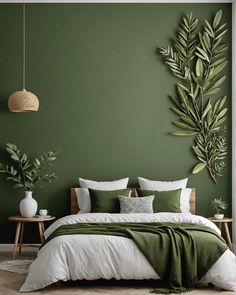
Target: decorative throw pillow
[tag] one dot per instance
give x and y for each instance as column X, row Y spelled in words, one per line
column 107, row 201
column 82, row 193
column 136, row 205
column 154, row 185
column 168, row 201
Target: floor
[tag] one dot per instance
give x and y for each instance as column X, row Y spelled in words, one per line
column 10, row 284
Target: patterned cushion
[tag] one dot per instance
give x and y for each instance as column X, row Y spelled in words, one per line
column 136, row 205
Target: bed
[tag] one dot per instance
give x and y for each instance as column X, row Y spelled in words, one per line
column 91, row 257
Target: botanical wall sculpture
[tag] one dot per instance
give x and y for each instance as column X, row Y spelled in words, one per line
column 196, row 58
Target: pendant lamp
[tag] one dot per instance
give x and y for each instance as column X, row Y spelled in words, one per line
column 22, row 100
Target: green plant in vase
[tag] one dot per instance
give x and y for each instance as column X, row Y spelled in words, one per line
column 28, row 174
column 218, row 206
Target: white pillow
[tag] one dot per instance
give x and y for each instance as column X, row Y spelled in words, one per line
column 83, row 199
column 104, row 185
column 82, row 193
column 169, row 186
column 147, row 184
column 185, row 200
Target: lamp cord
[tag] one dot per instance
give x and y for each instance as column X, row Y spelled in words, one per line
column 23, row 46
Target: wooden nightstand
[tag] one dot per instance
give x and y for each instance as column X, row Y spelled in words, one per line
column 20, row 229
column 225, row 222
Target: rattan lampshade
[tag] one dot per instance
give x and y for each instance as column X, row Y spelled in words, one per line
column 23, row 101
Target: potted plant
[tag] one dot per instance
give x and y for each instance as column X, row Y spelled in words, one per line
column 28, row 174
column 218, row 205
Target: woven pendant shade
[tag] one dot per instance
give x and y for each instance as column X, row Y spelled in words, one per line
column 23, row 101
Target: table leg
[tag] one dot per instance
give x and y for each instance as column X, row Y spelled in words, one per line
column 228, row 238
column 220, row 225
column 18, row 227
column 43, row 228
column 41, row 232
column 21, row 236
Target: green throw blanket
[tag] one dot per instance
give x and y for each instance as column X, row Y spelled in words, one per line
column 180, row 253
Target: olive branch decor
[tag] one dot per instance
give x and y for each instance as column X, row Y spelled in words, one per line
column 197, row 59
column 27, row 173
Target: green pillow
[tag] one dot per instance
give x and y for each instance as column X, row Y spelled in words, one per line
column 106, row 201
column 167, row 201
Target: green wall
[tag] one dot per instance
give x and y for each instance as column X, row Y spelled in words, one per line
column 103, row 98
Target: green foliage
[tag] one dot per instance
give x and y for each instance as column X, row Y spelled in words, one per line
column 25, row 173
column 218, row 205
column 196, row 58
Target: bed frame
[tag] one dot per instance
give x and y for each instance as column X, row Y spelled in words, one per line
column 74, row 206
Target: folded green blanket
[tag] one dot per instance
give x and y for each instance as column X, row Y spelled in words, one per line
column 181, row 253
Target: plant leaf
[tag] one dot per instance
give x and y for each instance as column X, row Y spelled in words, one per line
column 177, row 111
column 182, row 95
column 218, row 61
column 208, row 107
column 199, row 68
column 221, row 34
column 203, row 53
column 199, row 167
column 220, row 67
column 217, row 83
column 183, row 125
column 209, row 29
column 18, row 185
column 213, row 91
column 183, row 133
column 183, row 87
column 198, row 151
column 222, row 113
column 217, row 18
column 222, row 102
column 188, row 120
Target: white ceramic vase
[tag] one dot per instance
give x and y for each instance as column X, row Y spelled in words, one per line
column 219, row 216
column 28, row 205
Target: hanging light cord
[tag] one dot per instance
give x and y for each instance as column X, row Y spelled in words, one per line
column 23, row 46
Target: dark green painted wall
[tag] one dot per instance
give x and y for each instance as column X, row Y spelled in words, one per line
column 103, row 98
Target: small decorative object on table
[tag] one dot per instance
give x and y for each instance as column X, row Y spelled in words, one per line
column 43, row 212
column 21, row 226
column 218, row 205
column 27, row 174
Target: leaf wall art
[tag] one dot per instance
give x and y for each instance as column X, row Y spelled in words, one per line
column 197, row 58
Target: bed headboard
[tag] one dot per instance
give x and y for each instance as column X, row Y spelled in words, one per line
column 74, row 207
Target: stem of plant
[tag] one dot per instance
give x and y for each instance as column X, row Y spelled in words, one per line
column 211, row 174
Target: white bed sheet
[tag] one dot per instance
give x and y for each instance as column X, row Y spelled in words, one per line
column 93, row 257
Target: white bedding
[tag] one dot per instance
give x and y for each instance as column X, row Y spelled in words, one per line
column 93, row 257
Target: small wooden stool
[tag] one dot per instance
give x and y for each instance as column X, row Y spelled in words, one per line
column 225, row 222
column 20, row 226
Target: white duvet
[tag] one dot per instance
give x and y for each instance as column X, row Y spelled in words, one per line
column 91, row 257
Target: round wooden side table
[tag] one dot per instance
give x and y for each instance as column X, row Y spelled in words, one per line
column 20, row 226
column 225, row 222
